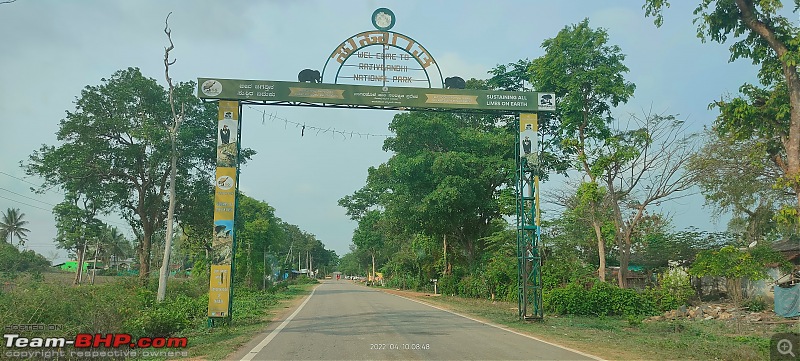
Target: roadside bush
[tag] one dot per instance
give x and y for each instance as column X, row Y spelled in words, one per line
column 168, row 317
column 249, row 304
column 448, row 285
column 567, row 300
column 99, row 308
column 674, row 290
column 558, row 272
column 755, row 304
column 473, row 286
column 507, row 292
column 602, row 299
column 404, row 281
column 186, row 287
column 14, row 260
column 277, row 287
column 500, row 273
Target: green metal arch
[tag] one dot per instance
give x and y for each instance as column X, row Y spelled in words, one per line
column 439, row 70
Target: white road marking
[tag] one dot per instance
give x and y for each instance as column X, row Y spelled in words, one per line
column 275, row 332
column 504, row 328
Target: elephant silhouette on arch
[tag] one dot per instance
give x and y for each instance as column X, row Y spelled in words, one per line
column 454, row 82
column 309, row 76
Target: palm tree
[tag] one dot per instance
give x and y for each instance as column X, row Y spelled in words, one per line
column 14, row 225
column 114, row 245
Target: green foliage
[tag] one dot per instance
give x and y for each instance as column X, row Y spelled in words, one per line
column 587, row 76
column 368, row 235
column 674, row 290
column 445, row 180
column 405, row 281
column 248, row 304
column 500, row 273
column 349, row 264
column 760, row 31
column 732, row 263
column 511, row 77
column 601, row 299
column 755, row 304
column 304, row 281
column 169, row 317
column 605, row 299
column 114, row 149
column 656, row 249
column 448, row 284
column 14, row 260
column 13, row 225
column 473, row 286
column 563, row 270
column 257, row 230
column 100, row 308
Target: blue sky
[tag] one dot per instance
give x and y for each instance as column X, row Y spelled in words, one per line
column 52, row 49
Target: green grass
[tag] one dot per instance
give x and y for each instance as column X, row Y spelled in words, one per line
column 622, row 338
column 122, row 305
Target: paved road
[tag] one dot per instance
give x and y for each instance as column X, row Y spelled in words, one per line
column 344, row 321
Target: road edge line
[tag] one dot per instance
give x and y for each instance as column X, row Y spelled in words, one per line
column 504, row 328
column 250, row 355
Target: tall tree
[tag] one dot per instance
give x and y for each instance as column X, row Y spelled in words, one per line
column 517, row 77
column 369, row 237
column 738, row 176
column 763, row 34
column 76, row 225
column 586, row 217
column 257, row 232
column 173, row 128
column 13, row 224
column 586, row 75
column 641, row 168
column 116, row 144
column 114, row 245
column 445, row 180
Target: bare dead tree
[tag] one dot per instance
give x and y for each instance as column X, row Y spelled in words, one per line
column 177, row 119
column 643, row 168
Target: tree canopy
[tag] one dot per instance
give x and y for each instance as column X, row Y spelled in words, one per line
column 761, row 32
column 115, row 146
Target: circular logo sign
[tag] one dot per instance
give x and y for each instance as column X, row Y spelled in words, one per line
column 211, row 88
column 225, row 182
column 383, row 19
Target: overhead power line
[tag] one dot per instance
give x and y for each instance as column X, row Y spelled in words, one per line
column 23, row 203
column 43, row 202
column 304, row 128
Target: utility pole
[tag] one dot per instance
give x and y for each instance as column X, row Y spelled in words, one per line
column 264, row 276
column 81, row 261
column 94, row 263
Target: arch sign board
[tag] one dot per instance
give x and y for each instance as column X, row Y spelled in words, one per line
column 380, row 68
column 372, row 96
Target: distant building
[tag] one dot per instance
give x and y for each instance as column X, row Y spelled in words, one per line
column 71, row 266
